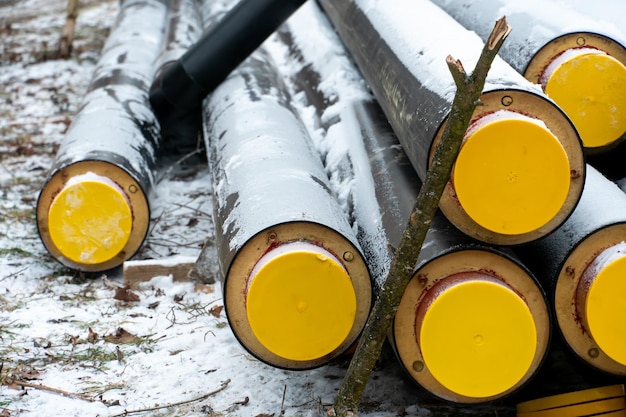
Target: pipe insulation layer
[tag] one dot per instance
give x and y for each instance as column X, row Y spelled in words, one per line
column 583, row 264
column 297, row 290
column 473, row 324
column 520, row 170
column 575, row 50
column 93, row 211
column 178, row 91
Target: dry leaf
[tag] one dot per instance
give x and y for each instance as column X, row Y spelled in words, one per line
column 215, row 311
column 92, row 337
column 125, row 294
column 121, row 335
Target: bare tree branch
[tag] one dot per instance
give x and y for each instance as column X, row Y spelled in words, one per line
column 469, row 89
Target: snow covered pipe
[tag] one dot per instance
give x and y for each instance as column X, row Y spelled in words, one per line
column 297, row 290
column 177, row 93
column 521, row 169
column 574, row 50
column 504, row 341
column 582, row 266
column 93, row 211
column 184, row 28
column 473, row 324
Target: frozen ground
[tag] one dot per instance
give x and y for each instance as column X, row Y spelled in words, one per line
column 68, row 347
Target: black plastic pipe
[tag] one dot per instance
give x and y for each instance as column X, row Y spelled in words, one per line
column 177, row 93
column 184, row 28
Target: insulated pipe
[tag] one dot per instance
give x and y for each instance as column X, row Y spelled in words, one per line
column 583, row 264
column 473, row 324
column 93, row 211
column 177, row 93
column 484, row 320
column 297, row 290
column 574, row 50
column 520, row 171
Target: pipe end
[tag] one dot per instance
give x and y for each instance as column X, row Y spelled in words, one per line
column 300, row 302
column 90, row 220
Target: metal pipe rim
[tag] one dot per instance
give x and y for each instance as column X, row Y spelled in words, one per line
column 586, row 85
column 131, row 192
column 237, row 277
column 568, row 317
column 544, row 110
column 475, row 261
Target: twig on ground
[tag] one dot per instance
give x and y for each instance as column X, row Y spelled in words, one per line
column 51, row 389
column 193, row 400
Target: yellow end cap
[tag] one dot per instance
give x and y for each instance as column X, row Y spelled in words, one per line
column 591, row 88
column 512, row 175
column 569, row 398
column 605, row 309
column 593, row 408
column 301, row 304
column 478, row 338
column 90, row 220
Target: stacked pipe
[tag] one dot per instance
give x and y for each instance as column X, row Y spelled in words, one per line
column 577, row 53
column 520, row 171
column 582, row 264
column 575, row 50
column 93, row 211
column 473, row 325
column 297, row 290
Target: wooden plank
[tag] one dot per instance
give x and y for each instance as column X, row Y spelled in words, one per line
column 138, row 271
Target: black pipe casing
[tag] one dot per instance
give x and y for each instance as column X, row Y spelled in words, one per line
column 177, row 91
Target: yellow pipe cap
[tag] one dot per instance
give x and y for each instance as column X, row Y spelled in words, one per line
column 590, row 86
column 606, row 309
column 571, row 398
column 478, row 338
column 300, row 303
column 593, row 408
column 512, row 175
column 90, row 220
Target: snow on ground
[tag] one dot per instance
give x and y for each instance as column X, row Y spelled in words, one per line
column 68, row 347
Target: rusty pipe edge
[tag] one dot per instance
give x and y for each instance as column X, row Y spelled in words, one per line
column 285, row 247
column 409, row 77
column 93, row 211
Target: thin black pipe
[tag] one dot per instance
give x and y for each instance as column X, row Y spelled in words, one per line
column 177, row 92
